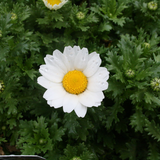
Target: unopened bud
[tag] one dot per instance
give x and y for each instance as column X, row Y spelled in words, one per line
column 76, row 158
column 1, row 86
column 14, row 16
column 155, row 84
column 130, row 73
column 3, row 127
column 152, row 6
column 0, row 33
column 80, row 15
column 146, row 45
column 42, row 141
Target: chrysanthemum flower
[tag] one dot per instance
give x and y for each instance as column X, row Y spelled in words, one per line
column 54, row 4
column 73, row 79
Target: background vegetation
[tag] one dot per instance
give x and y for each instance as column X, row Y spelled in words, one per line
column 126, row 34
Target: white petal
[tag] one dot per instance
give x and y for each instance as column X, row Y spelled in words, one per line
column 102, row 74
column 100, row 85
column 70, row 102
column 81, row 59
column 52, row 74
column 70, row 54
column 93, row 64
column 57, row 103
column 49, row 60
column 80, row 110
column 90, row 99
column 45, row 82
column 76, row 49
column 97, row 104
column 54, row 93
column 59, row 59
column 49, row 102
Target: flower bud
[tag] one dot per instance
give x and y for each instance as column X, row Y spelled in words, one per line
column 1, row 86
column 3, row 127
column 42, row 141
column 80, row 15
column 76, row 158
column 155, row 84
column 146, row 45
column 152, row 6
column 110, row 15
column 14, row 16
column 130, row 73
column 0, row 33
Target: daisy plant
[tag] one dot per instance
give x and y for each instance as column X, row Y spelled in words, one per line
column 54, row 4
column 73, row 79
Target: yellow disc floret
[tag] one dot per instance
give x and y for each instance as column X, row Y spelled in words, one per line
column 53, row 2
column 75, row 82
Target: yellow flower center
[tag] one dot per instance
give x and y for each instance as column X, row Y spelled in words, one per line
column 53, row 2
column 75, row 82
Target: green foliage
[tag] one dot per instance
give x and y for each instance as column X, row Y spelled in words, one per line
column 34, row 137
column 126, row 34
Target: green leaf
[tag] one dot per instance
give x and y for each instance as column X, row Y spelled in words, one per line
column 31, row 73
column 137, row 121
column 57, row 133
column 153, row 152
column 105, row 27
column 112, row 114
column 153, row 129
column 149, row 98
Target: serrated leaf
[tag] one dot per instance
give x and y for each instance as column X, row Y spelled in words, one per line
column 137, row 121
column 153, row 129
column 112, row 114
column 149, row 98
column 153, row 152
column 31, row 73
column 105, row 27
column 57, row 133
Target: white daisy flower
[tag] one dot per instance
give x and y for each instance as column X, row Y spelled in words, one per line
column 73, row 79
column 54, row 4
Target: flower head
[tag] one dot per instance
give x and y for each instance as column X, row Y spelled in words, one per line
column 54, row 4
column 80, row 15
column 152, row 5
column 130, row 73
column 155, row 84
column 1, row 86
column 73, row 79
